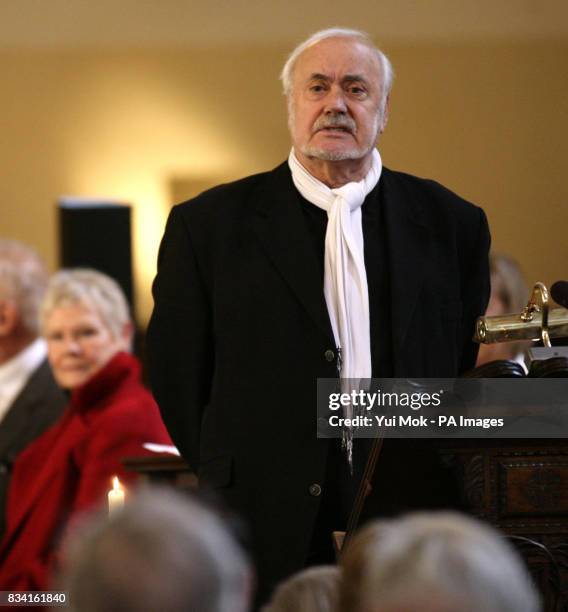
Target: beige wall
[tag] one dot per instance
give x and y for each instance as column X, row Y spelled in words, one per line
column 489, row 121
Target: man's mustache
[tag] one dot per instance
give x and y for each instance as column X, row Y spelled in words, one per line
column 335, row 121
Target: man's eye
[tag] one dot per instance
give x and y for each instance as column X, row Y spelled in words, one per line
column 356, row 90
column 316, row 88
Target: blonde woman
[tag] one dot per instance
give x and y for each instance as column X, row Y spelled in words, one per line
column 110, row 415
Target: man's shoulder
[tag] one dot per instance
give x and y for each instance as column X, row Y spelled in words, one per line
column 428, row 192
column 438, row 208
column 38, row 405
column 42, row 391
column 232, row 195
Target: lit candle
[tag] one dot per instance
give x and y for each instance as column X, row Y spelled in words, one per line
column 115, row 496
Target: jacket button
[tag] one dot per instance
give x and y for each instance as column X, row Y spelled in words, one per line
column 3, row 468
column 315, row 490
column 329, row 355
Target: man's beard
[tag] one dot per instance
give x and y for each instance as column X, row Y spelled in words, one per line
column 343, row 122
column 325, row 155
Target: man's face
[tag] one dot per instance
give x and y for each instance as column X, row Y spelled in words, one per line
column 335, row 101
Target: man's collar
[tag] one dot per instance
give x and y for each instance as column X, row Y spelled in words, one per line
column 24, row 363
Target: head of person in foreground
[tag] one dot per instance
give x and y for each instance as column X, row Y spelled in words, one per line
column 162, row 551
column 434, row 562
column 315, row 589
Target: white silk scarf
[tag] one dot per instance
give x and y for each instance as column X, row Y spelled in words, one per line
column 345, row 278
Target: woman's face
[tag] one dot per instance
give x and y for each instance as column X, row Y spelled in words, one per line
column 78, row 344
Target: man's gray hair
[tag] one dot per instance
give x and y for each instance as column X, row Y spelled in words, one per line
column 162, row 551
column 387, row 72
column 91, row 289
column 457, row 561
column 315, row 589
column 23, row 279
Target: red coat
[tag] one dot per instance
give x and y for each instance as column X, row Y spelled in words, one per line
column 69, row 468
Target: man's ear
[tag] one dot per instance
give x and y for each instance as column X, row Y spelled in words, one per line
column 385, row 117
column 9, row 317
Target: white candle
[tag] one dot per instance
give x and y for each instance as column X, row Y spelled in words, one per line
column 115, row 496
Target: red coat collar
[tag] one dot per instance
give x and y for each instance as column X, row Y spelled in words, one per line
column 120, row 367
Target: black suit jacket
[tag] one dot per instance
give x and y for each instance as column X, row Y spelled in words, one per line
column 38, row 405
column 240, row 333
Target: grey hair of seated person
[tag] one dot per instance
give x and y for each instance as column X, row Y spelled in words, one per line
column 23, row 279
column 315, row 589
column 90, row 288
column 162, row 551
column 436, row 562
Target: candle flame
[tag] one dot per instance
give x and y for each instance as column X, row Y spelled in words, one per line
column 116, row 484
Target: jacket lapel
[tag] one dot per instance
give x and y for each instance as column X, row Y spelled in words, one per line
column 408, row 240
column 30, row 413
column 280, row 227
column 279, row 224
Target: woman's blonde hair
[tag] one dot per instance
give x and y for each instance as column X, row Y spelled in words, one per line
column 91, row 289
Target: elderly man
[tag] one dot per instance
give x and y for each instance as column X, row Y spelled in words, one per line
column 30, row 400
column 329, row 264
